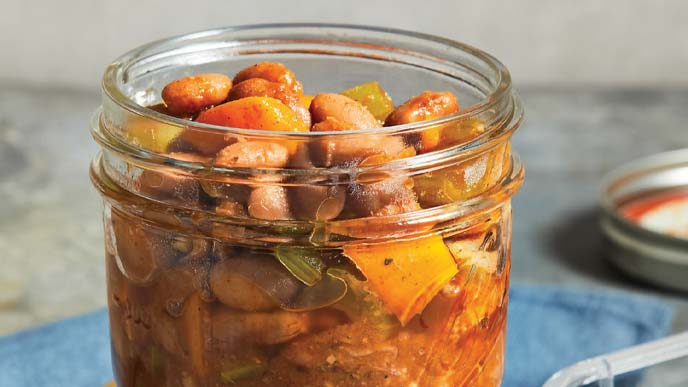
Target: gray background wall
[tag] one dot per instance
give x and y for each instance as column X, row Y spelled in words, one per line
column 588, row 42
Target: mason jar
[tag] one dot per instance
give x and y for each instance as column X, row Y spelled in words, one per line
column 384, row 266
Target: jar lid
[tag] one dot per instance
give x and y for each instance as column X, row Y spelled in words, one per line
column 645, row 219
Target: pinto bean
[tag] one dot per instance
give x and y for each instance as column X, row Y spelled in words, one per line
column 190, row 95
column 428, row 105
column 142, row 252
column 254, row 283
column 331, row 152
column 253, row 154
column 269, row 202
column 258, row 87
column 301, row 159
column 425, row 106
column 273, row 72
column 163, row 185
column 313, row 202
column 239, row 292
column 258, row 327
column 342, row 109
column 391, row 196
column 206, row 142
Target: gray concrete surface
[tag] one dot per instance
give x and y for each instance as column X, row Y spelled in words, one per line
column 50, row 230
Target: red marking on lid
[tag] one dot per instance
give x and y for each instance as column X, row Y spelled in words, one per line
column 663, row 212
column 635, row 209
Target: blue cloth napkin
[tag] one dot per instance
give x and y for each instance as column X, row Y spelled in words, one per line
column 548, row 329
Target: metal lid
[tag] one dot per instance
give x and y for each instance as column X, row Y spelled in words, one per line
column 646, row 253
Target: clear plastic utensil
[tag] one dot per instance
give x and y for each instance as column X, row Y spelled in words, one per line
column 603, row 369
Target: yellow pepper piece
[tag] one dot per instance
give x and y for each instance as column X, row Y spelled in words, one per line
column 405, row 275
column 462, row 181
column 462, row 132
column 373, row 97
column 150, row 134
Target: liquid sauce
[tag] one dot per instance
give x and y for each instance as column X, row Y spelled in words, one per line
column 664, row 212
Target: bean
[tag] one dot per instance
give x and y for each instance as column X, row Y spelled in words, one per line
column 162, row 185
column 206, row 142
column 269, row 202
column 425, row 106
column 391, row 196
column 273, row 72
column 258, row 87
column 192, row 94
column 342, row 109
column 171, row 291
column 253, row 154
column 328, row 153
column 234, row 284
column 271, row 283
column 428, row 105
column 257, row 327
column 313, row 202
column 142, row 251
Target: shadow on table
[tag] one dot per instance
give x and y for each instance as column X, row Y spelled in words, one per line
column 577, row 242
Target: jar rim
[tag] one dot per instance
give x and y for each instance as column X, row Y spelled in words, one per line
column 500, row 91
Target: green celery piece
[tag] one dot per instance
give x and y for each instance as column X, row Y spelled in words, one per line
column 303, row 262
column 156, row 361
column 373, row 97
column 360, row 304
column 242, row 372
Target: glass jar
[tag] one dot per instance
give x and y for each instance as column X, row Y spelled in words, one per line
column 389, row 268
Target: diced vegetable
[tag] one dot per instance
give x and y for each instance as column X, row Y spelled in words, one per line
column 155, row 361
column 360, row 304
column 471, row 253
column 461, row 181
column 461, row 132
column 481, row 282
column 303, row 262
column 325, row 292
column 373, row 97
column 245, row 371
column 151, row 135
column 405, row 275
column 262, row 113
column 195, row 319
